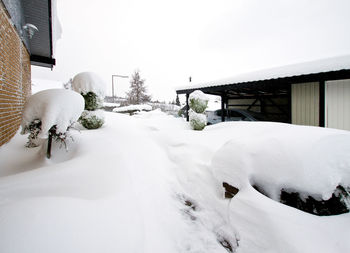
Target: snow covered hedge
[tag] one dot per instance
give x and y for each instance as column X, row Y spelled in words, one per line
column 198, row 104
column 92, row 88
column 304, row 167
column 50, row 114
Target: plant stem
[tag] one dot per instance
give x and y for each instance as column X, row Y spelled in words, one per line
column 49, row 141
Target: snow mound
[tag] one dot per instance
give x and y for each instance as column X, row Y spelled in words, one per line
column 58, row 107
column 89, row 82
column 310, row 160
column 128, row 108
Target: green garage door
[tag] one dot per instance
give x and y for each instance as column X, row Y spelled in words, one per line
column 337, row 114
column 305, row 104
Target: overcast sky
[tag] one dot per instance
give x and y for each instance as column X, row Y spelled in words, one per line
column 168, row 41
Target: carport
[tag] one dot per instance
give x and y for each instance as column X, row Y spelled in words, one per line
column 284, row 93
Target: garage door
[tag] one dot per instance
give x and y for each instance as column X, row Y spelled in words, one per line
column 305, row 104
column 337, row 112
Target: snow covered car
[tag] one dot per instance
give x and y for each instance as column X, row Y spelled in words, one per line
column 235, row 115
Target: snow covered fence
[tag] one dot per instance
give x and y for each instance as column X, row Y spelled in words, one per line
column 170, row 109
column 132, row 109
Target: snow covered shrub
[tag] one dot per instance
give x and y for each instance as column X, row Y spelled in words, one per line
column 198, row 101
column 303, row 167
column 49, row 114
column 33, row 129
column 86, row 82
column 337, row 204
column 92, row 88
column 198, row 104
column 92, row 119
column 198, row 121
column 92, row 101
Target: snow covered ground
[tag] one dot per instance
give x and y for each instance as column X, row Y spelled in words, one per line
column 148, row 183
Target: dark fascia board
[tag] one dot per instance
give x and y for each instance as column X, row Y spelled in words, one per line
column 42, row 61
column 271, row 84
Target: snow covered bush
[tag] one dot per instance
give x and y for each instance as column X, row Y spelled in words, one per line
column 86, row 82
column 92, row 119
column 198, row 101
column 198, row 104
column 49, row 114
column 92, row 88
column 33, row 128
column 92, row 101
column 198, row 121
column 304, row 167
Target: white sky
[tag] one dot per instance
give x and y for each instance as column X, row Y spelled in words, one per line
column 168, row 41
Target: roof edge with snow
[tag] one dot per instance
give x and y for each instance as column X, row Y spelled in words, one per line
column 334, row 68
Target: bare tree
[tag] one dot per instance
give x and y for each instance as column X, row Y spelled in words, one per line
column 138, row 90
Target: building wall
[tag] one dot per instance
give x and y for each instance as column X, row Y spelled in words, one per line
column 306, row 104
column 15, row 77
column 337, row 104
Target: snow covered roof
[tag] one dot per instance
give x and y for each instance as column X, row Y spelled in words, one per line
column 295, row 70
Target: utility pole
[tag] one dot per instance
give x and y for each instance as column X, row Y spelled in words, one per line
column 121, row 76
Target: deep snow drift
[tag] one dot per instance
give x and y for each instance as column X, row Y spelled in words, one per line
column 148, row 183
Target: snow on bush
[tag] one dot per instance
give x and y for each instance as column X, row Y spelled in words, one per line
column 86, row 82
column 92, row 88
column 198, row 104
column 198, row 101
column 311, row 161
column 92, row 101
column 198, row 121
column 92, row 119
column 54, row 107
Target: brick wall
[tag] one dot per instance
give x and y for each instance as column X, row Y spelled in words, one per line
column 15, row 77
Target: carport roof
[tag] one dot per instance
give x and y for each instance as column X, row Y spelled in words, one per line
column 276, row 80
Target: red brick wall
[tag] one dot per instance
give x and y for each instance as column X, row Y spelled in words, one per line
column 15, row 77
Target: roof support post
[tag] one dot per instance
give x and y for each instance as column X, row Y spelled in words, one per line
column 223, row 107
column 289, row 103
column 322, row 104
column 187, row 107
